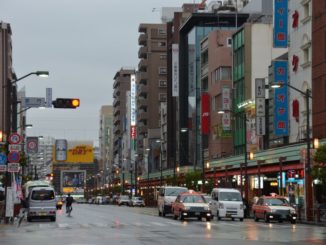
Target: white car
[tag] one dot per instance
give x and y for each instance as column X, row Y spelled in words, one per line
column 137, row 201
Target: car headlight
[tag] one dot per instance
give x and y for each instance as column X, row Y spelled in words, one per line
column 273, row 210
column 292, row 211
column 186, row 208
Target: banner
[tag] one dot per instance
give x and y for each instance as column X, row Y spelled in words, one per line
column 73, row 181
column 281, row 108
column 280, row 39
column 175, row 70
column 205, row 113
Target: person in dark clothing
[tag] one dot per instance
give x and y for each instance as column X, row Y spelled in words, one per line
column 69, row 201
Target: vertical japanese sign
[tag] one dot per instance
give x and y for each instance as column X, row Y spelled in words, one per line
column 281, row 106
column 280, row 23
column 175, row 70
column 260, row 106
column 205, row 113
column 226, row 106
column 133, row 100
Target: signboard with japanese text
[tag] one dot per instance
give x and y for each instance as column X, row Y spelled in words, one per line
column 280, row 39
column 73, row 152
column 13, row 167
column 175, row 70
column 205, row 113
column 133, row 100
column 260, row 106
column 226, row 98
column 281, row 108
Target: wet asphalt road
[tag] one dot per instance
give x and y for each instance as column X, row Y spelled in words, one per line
column 95, row 225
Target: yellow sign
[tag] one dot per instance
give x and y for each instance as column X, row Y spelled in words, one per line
column 273, row 184
column 68, row 189
column 79, row 153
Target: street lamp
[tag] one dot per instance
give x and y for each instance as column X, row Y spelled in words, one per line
column 307, row 175
column 161, row 167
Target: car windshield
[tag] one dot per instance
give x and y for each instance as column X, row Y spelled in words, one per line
column 230, row 196
column 138, row 198
column 42, row 195
column 276, row 202
column 174, row 191
column 124, row 197
column 192, row 199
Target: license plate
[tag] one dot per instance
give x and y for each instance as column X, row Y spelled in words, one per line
column 228, row 215
column 197, row 213
column 42, row 213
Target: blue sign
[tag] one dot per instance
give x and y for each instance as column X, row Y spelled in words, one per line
column 281, row 107
column 3, row 159
column 280, row 39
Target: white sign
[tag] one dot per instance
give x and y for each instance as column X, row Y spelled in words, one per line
column 3, row 168
column 226, row 121
column 260, row 107
column 133, row 100
column 175, row 70
column 260, row 88
column 48, row 97
column 13, row 167
column 226, row 99
column 260, row 126
column 34, row 102
column 9, row 203
column 15, row 147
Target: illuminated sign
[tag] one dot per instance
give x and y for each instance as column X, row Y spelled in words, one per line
column 133, row 100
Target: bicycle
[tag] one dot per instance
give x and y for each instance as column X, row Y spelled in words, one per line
column 21, row 216
column 68, row 210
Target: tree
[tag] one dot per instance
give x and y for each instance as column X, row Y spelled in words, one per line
column 319, row 169
column 191, row 179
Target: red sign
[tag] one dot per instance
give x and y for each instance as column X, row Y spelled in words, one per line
column 205, row 113
column 14, row 156
column 14, row 138
column 133, row 132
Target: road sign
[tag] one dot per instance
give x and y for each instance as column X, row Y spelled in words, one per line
column 13, row 167
column 3, row 168
column 13, row 156
column 3, row 158
column 14, row 147
column 14, row 138
column 34, row 102
column 32, row 144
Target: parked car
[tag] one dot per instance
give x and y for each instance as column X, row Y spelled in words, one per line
column 166, row 196
column 137, row 201
column 191, row 204
column 123, row 200
column 274, row 208
column 227, row 203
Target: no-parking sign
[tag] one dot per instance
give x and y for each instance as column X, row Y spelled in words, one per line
column 14, row 138
column 13, row 156
column 32, row 144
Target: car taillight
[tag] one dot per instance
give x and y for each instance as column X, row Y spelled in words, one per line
column 52, row 212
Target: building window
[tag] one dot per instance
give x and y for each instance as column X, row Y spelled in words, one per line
column 306, row 4
column 223, row 73
column 161, row 32
column 163, row 83
column 229, row 42
column 162, row 71
column 162, row 97
column 162, row 56
column 306, row 50
column 161, row 44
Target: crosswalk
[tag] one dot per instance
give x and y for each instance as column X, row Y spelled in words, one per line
column 162, row 223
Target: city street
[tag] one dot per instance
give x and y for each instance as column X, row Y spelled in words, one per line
column 106, row 224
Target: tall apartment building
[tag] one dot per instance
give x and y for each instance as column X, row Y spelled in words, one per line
column 319, row 68
column 106, row 138
column 151, row 86
column 120, row 86
column 216, row 79
column 8, row 92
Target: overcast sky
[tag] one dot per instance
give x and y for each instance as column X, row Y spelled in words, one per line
column 82, row 43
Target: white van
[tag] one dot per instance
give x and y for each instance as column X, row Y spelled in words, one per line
column 41, row 203
column 166, row 196
column 227, row 203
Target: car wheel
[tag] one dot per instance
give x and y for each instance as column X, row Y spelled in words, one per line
column 208, row 219
column 159, row 213
column 255, row 217
column 163, row 213
column 280, row 221
column 53, row 219
column 199, row 218
column 266, row 218
column 232, row 219
column 181, row 216
column 217, row 216
column 241, row 219
column 293, row 221
column 29, row 219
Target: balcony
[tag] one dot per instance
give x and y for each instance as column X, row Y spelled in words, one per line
column 116, row 102
column 116, row 121
column 143, row 77
column 116, row 111
column 161, row 49
column 142, row 90
column 142, row 65
column 142, row 28
column 142, row 103
column 116, row 84
column 142, row 39
column 142, row 53
column 142, row 116
column 116, row 93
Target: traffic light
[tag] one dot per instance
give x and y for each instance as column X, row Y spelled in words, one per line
column 66, row 103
